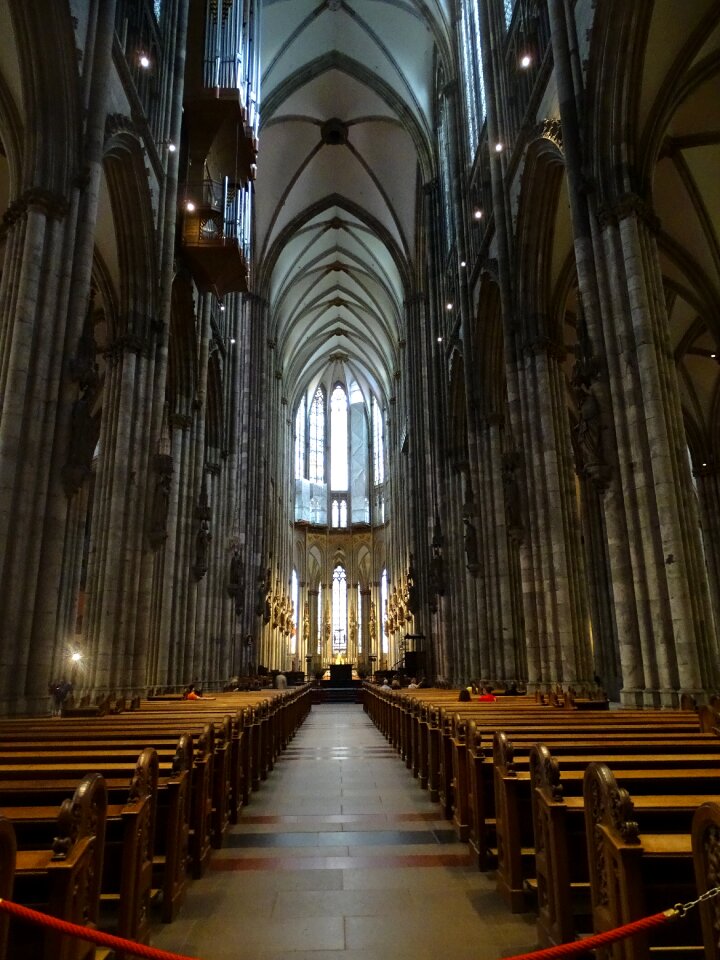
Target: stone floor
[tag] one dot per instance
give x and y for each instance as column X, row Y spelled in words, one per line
column 341, row 856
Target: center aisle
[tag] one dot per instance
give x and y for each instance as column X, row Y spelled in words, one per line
column 341, row 855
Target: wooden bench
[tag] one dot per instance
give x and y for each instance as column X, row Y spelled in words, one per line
column 668, row 774
column 634, row 875
column 8, row 849
column 32, row 782
column 62, row 879
column 481, row 812
column 125, row 850
column 706, row 859
column 562, row 880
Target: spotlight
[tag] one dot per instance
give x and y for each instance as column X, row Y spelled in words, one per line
column 525, row 61
column 498, row 148
column 222, row 307
column 439, row 339
column 449, row 306
column 144, row 61
column 190, row 206
column 76, row 657
column 478, row 214
column 171, row 147
column 462, row 263
column 232, row 340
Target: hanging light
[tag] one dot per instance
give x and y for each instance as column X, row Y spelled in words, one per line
column 498, row 148
column 525, row 61
column 144, row 61
column 478, row 214
column 190, row 206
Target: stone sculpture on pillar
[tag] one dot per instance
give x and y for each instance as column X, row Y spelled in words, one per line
column 413, row 599
column 203, row 536
column 236, row 581
column 157, row 527
column 471, row 546
column 588, row 431
column 511, row 491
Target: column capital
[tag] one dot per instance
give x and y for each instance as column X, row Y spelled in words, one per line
column 628, row 205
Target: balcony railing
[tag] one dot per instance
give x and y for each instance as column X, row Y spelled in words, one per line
column 216, row 234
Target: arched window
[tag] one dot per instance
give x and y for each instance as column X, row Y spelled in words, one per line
column 509, row 8
column 295, row 598
column 318, row 648
column 300, row 441
column 383, row 609
column 378, row 446
column 473, row 82
column 335, row 514
column 338, row 439
column 343, row 513
column 339, row 609
column 317, row 438
column 359, row 620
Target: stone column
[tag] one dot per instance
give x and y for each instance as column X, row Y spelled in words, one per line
column 671, row 579
column 707, row 483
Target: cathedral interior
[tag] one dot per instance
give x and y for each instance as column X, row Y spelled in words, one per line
column 337, row 331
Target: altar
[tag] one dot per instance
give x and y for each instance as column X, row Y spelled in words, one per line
column 341, row 672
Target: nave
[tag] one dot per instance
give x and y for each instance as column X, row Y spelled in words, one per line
column 340, row 856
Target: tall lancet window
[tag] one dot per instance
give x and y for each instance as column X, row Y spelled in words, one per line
column 383, row 609
column 295, row 598
column 378, row 446
column 317, row 438
column 359, row 620
column 319, row 621
column 509, row 8
column 300, row 441
column 339, row 610
column 338, row 440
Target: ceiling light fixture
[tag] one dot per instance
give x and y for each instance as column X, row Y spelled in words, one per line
column 525, row 61
column 232, row 339
column 712, row 356
column 144, row 61
column 439, row 339
column 190, row 206
column 171, row 147
column 478, row 214
column 222, row 307
column 449, row 306
column 498, row 148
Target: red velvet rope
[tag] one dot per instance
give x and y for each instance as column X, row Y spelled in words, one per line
column 598, row 939
column 87, row 933
column 140, row 950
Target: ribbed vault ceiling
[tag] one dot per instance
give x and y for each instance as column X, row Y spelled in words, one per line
column 345, row 142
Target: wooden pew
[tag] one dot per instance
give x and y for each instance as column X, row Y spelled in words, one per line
column 8, row 849
column 666, row 774
column 62, row 880
column 125, row 851
column 166, row 787
column 706, row 859
column 561, row 867
column 634, row 875
column 480, row 747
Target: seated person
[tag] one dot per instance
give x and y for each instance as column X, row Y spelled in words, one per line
column 487, row 695
column 413, row 685
column 464, row 696
column 192, row 694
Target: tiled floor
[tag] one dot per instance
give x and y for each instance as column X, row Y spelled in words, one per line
column 341, row 856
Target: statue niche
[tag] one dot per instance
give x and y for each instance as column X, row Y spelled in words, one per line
column 236, row 581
